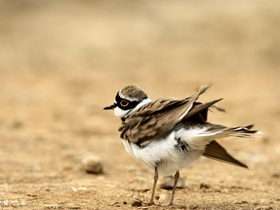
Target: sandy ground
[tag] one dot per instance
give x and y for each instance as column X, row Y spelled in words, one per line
column 61, row 62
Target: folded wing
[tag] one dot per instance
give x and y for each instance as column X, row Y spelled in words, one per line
column 158, row 117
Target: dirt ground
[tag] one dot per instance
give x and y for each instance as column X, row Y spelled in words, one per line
column 61, row 62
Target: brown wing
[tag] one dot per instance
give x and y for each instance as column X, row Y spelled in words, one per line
column 199, row 111
column 152, row 120
column 215, row 151
column 156, row 118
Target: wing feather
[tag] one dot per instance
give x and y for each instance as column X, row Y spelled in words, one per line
column 215, row 151
column 154, row 119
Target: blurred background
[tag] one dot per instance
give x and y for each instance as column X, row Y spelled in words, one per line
column 61, row 62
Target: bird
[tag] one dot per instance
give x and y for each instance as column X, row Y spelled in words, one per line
column 170, row 134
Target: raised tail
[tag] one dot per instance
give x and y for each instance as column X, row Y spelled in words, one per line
column 215, row 151
column 218, row 131
column 244, row 131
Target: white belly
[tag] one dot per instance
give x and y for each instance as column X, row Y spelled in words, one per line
column 163, row 154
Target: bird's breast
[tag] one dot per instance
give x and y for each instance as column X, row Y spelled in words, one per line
column 169, row 154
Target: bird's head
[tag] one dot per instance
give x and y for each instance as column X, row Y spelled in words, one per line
column 127, row 100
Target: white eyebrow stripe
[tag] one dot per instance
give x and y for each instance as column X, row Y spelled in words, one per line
column 128, row 98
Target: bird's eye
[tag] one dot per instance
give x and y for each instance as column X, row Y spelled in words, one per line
column 124, row 103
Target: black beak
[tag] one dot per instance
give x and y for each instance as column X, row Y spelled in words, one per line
column 113, row 106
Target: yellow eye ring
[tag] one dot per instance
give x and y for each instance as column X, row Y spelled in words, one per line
column 124, row 103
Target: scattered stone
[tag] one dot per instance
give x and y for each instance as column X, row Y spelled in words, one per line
column 52, row 206
column 241, row 202
column 164, row 196
column 142, row 190
column 276, row 175
column 193, row 206
column 157, row 197
column 129, row 195
column 182, row 207
column 73, row 207
column 74, row 189
column 14, row 203
column 116, row 204
column 263, row 208
column 32, row 195
column 168, row 182
column 224, row 190
column 217, row 189
column 82, row 189
column 136, row 202
column 32, row 168
column 140, row 179
column 16, row 124
column 143, row 208
column 91, row 164
column 204, row 185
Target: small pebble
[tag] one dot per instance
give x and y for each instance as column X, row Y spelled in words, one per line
column 193, row 206
column 82, row 189
column 91, row 164
column 74, row 189
column 241, row 202
column 140, row 179
column 224, row 190
column 204, row 185
column 16, row 124
column 73, row 207
column 14, row 203
column 116, row 204
column 168, row 182
column 32, row 195
column 181, row 207
column 52, row 206
column 263, row 208
column 164, row 197
column 217, row 189
column 136, row 202
column 276, row 175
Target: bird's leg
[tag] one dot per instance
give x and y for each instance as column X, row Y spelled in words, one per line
column 154, row 187
column 176, row 177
